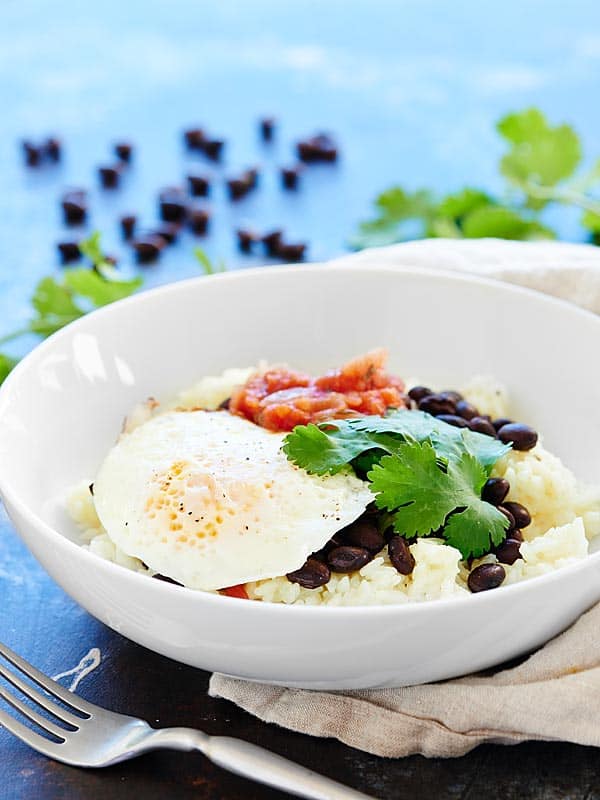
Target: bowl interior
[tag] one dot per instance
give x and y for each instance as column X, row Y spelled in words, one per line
column 63, row 406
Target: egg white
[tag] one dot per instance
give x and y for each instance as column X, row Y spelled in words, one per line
column 209, row 499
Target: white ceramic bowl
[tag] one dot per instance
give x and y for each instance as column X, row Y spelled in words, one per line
column 62, row 408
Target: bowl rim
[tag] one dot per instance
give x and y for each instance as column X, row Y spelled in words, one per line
column 111, row 568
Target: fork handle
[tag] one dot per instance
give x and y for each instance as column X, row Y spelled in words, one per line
column 253, row 762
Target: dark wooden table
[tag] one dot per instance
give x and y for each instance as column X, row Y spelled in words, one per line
column 412, row 90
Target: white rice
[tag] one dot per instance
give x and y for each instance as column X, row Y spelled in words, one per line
column 565, row 517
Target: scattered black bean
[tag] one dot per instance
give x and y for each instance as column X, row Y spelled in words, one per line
column 123, row 151
column 348, row 559
column 225, row 404
column 521, row 436
column 246, row 239
column 482, row 425
column 267, row 128
column 521, row 515
column 291, row 252
column 199, row 185
column 148, row 249
column 486, row 576
column 109, row 177
column 434, row 404
column 194, row 138
column 312, row 574
column 272, row 241
column 213, row 148
column 290, row 177
column 400, row 555
column 128, row 223
column 52, row 148
column 173, row 210
column 417, row 393
column 32, row 153
column 74, row 207
column 498, row 423
column 508, row 552
column 91, row 488
column 317, row 148
column 169, row 231
column 69, row 251
column 237, row 188
column 511, row 520
column 453, row 419
column 363, row 533
column 198, row 220
column 466, row 410
column 495, row 490
column 516, row 534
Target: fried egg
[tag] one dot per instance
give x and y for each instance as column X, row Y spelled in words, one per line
column 210, row 500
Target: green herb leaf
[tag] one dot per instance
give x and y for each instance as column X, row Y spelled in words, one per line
column 55, row 307
column 98, row 287
column 92, row 249
column 539, row 153
column 208, row 267
column 502, row 223
column 6, row 365
column 424, row 497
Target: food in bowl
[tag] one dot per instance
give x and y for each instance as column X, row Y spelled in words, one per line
column 352, row 488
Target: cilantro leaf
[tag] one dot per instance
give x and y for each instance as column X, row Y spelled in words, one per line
column 6, row 365
column 424, row 497
column 92, row 249
column 101, row 288
column 55, row 307
column 208, row 266
column 503, row 223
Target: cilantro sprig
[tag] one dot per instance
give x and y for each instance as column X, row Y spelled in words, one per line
column 427, row 474
column 58, row 301
column 540, row 168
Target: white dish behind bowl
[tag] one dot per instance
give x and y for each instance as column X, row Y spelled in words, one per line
column 63, row 406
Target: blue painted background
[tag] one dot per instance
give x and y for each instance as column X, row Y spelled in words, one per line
column 411, row 89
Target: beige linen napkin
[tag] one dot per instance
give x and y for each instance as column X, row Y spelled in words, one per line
column 555, row 693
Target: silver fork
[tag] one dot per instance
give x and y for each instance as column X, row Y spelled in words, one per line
column 86, row 735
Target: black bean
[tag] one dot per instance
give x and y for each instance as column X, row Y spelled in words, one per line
column 417, row 393
column 516, row 534
column 169, row 232
column 486, row 576
column 213, row 148
column 348, row 559
column 91, row 488
column 498, row 423
column 33, row 154
column 508, row 552
column 267, row 128
column 291, row 252
column 124, row 151
column 225, row 404
column 521, row 515
column 311, row 575
column 194, row 138
column 449, row 394
column 52, row 148
column 237, row 188
column 148, row 249
column 172, row 210
column 199, row 185
column 251, row 177
column 482, row 425
column 363, row 533
column 495, row 490
column 521, row 436
column 198, row 221
column 272, row 241
column 246, row 239
column 290, row 177
column 511, row 520
column 109, row 177
column 466, row 410
column 128, row 223
column 434, row 404
column 317, row 148
column 452, row 419
column 74, row 211
column 400, row 555
column 69, row 251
